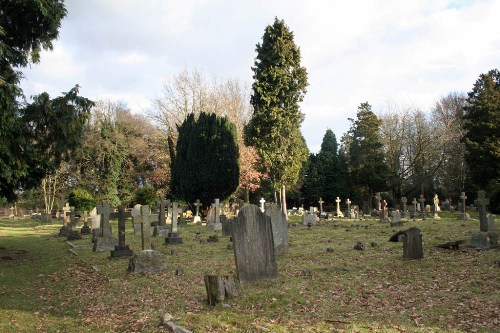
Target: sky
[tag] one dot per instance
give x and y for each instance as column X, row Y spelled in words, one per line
column 385, row 52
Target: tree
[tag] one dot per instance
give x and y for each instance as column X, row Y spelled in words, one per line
column 482, row 128
column 368, row 168
column 206, row 165
column 279, row 86
column 32, row 144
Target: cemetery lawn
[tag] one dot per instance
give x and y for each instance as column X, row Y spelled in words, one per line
column 45, row 288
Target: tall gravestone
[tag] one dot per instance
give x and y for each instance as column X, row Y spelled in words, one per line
column 105, row 240
column 280, row 229
column 422, row 205
column 122, row 249
column 463, row 215
column 321, row 202
column 348, row 202
column 161, row 229
column 435, row 207
column 338, row 212
column 254, row 246
column 173, row 236
column 215, row 224
column 196, row 217
column 412, row 244
column 404, row 214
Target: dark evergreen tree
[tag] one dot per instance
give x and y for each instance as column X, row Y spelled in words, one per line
column 206, row 162
column 368, row 169
column 279, row 86
column 482, row 130
column 34, row 138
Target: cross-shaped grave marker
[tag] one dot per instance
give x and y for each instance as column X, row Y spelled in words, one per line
column 339, row 212
column 422, row 204
column 321, row 205
column 463, row 197
column 414, row 208
column 197, row 206
column 144, row 220
column 481, row 202
column 121, row 250
column 262, row 202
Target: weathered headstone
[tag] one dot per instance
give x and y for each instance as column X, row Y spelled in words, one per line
column 348, row 202
column 396, row 219
column 66, row 210
column 161, row 230
column 254, row 246
column 105, row 240
column 378, row 199
column 412, row 244
column 280, row 229
column 85, row 230
column 215, row 224
column 463, row 215
column 321, row 202
column 487, row 236
column 173, row 236
column 72, row 233
column 423, row 214
column 227, row 226
column 121, row 250
column 147, row 261
column 309, row 219
column 339, row 212
column 414, row 209
column 405, row 214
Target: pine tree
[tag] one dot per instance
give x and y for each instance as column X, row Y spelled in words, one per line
column 279, row 86
column 482, row 126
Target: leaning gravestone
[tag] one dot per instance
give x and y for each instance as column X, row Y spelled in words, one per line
column 412, row 244
column 105, row 240
column 254, row 246
column 280, row 229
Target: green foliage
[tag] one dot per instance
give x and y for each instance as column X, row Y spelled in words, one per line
column 482, row 126
column 145, row 196
column 279, row 86
column 206, row 163
column 368, row 169
column 34, row 138
column 81, row 199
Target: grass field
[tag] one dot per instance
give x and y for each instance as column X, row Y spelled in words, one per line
column 45, row 288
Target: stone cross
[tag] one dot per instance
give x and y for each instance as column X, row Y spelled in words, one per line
column 348, row 202
column 481, row 202
column 422, row 202
column 320, row 205
column 378, row 197
column 122, row 215
column 404, row 201
column 161, row 213
column 169, row 209
column 72, row 217
column 197, row 204
column 414, row 208
column 173, row 229
column 105, row 210
column 216, row 211
column 463, row 197
column 66, row 210
column 11, row 212
column 339, row 213
column 262, row 201
column 145, row 227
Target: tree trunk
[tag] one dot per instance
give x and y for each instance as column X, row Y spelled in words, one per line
column 219, row 288
column 283, row 201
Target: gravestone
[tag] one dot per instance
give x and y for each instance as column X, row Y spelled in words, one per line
column 280, row 229
column 366, row 208
column 463, row 215
column 66, row 210
column 405, row 214
column 487, row 237
column 227, row 226
column 384, row 214
column 173, row 237
column 320, row 206
column 147, row 261
column 423, row 214
column 348, row 202
column 85, row 230
column 161, row 229
column 105, row 241
column 396, row 219
column 254, row 246
column 121, row 250
column 196, row 217
column 412, row 244
column 309, row 219
column 339, row 212
column 215, row 225
column 72, row 233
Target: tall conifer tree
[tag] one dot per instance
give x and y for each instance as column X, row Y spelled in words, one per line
column 279, row 86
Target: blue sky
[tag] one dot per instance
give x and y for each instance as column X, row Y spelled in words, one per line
column 386, row 52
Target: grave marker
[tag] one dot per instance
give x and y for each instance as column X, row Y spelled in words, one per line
column 348, row 202
column 321, row 206
column 339, row 212
column 412, row 244
column 280, row 229
column 105, row 240
column 254, row 246
column 121, row 250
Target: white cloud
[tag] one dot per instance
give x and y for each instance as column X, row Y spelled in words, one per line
column 356, row 51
